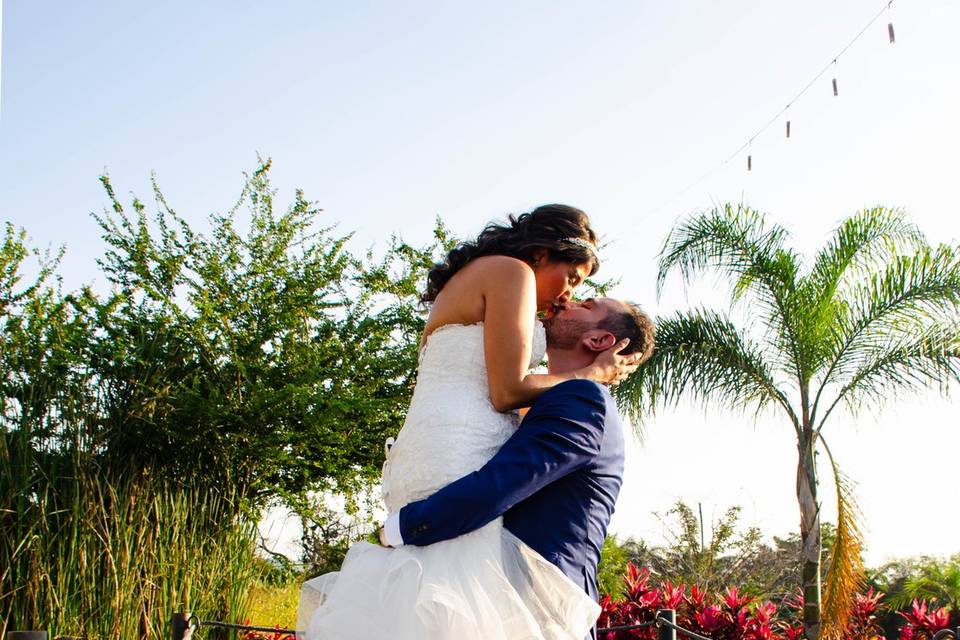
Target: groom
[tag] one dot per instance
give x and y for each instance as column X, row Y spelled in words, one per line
column 555, row 481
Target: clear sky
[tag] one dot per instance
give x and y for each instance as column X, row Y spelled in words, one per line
column 389, row 114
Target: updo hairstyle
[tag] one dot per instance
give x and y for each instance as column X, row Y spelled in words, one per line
column 547, row 227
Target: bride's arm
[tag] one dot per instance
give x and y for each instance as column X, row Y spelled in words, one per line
column 510, row 304
column 563, row 433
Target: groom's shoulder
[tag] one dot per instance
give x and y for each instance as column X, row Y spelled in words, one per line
column 587, row 394
column 580, row 387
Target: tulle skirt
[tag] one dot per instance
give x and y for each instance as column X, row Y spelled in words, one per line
column 485, row 585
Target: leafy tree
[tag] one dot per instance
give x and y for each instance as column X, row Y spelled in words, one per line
column 874, row 316
column 691, row 557
column 726, row 555
column 777, row 570
column 273, row 360
column 614, row 557
column 46, row 383
column 256, row 361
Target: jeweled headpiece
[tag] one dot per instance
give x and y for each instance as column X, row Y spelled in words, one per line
column 583, row 244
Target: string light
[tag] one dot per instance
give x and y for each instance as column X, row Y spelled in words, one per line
column 893, row 38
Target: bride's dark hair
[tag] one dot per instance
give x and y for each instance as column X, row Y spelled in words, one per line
column 549, row 227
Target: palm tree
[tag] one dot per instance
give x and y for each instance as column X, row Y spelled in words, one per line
column 935, row 580
column 875, row 314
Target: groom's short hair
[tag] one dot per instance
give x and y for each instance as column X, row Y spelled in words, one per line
column 634, row 324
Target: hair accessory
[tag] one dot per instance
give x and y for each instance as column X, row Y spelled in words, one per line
column 583, row 244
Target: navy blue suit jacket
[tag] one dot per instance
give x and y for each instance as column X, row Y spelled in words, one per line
column 555, row 481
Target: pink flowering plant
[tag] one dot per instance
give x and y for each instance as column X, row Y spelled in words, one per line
column 922, row 623
column 729, row 615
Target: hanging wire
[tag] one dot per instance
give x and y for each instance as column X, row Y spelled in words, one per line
column 809, row 84
column 835, row 92
column 776, row 116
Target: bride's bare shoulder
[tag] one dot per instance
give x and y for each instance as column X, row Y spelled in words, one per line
column 465, row 297
column 500, row 267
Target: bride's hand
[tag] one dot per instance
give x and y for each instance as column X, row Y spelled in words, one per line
column 610, row 367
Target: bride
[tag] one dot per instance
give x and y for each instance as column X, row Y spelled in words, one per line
column 480, row 342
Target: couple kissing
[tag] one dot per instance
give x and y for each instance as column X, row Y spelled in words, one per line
column 495, row 522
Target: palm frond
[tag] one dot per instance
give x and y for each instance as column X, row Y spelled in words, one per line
column 740, row 244
column 845, row 571
column 938, row 582
column 863, row 243
column 704, row 355
column 865, row 240
column 911, row 294
column 908, row 364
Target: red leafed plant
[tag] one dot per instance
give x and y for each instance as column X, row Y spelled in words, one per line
column 733, row 615
column 863, row 617
column 864, row 621
column 265, row 635
column 921, row 623
column 727, row 616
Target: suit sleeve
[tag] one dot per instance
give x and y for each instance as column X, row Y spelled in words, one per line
column 560, row 434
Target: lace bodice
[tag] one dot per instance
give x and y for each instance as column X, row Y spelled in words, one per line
column 451, row 427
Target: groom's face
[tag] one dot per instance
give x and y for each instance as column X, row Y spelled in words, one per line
column 577, row 319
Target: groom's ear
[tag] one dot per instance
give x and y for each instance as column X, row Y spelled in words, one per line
column 598, row 340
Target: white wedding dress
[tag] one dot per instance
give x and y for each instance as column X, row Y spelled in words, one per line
column 485, row 585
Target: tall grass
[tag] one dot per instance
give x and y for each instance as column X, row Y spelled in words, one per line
column 83, row 555
column 90, row 545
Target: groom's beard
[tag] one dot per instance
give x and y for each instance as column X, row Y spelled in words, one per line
column 564, row 334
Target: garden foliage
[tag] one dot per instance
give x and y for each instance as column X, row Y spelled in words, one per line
column 726, row 615
column 143, row 428
column 871, row 316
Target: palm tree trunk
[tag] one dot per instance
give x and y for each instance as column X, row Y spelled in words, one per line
column 809, row 535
